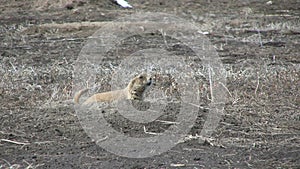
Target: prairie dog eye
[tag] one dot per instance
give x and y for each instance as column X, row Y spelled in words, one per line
column 141, row 76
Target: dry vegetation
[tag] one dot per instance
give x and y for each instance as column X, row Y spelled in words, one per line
column 258, row 44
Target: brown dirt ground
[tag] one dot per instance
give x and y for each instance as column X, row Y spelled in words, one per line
column 258, row 43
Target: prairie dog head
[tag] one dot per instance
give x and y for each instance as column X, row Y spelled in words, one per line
column 138, row 86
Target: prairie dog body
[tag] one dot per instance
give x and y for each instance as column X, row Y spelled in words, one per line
column 134, row 91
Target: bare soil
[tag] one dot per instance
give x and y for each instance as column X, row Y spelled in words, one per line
column 257, row 41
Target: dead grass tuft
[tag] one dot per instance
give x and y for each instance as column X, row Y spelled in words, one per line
column 54, row 4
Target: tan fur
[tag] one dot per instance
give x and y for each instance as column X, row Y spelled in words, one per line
column 134, row 91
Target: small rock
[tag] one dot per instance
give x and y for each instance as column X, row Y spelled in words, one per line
column 269, row 3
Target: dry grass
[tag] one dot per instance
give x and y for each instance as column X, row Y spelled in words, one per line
column 262, row 111
column 54, row 4
column 263, row 104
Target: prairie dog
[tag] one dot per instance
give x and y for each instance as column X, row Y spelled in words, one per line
column 134, row 91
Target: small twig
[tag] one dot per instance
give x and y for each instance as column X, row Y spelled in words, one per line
column 226, row 89
column 167, row 122
column 29, row 165
column 43, row 142
column 151, row 132
column 210, row 84
column 14, row 142
column 13, row 66
column 193, row 149
column 177, row 165
column 164, row 37
column 274, row 58
column 257, row 85
column 5, row 161
column 154, row 111
column 105, row 138
column 185, row 165
column 201, row 107
column 260, row 41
